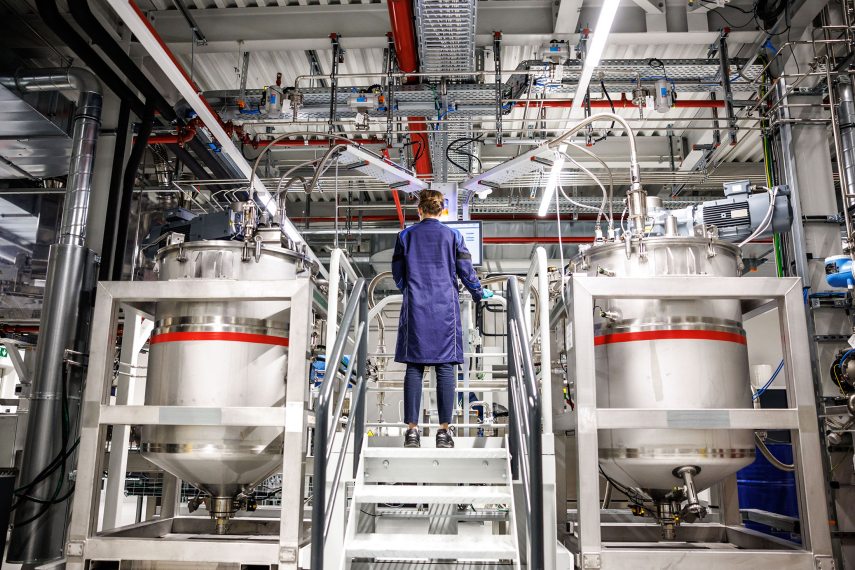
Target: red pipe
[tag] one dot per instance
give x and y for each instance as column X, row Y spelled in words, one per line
column 182, row 137
column 624, row 103
column 404, row 33
column 404, row 36
column 421, row 148
column 482, row 217
column 395, row 196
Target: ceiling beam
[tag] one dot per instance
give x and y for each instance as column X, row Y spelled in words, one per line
column 567, row 16
column 275, row 28
column 648, row 6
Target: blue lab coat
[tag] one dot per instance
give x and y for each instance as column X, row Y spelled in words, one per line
column 428, row 259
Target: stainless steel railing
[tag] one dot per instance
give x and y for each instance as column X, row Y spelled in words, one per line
column 525, row 425
column 328, row 412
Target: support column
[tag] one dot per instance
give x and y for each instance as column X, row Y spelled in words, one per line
column 806, row 167
column 130, row 390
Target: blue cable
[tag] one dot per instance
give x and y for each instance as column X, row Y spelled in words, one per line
column 846, row 355
column 772, row 379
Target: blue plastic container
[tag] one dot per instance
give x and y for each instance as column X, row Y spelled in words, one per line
column 765, row 488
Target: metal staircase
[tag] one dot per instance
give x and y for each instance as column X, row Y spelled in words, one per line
column 482, row 504
column 467, row 519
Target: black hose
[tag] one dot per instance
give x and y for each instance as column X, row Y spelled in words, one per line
column 137, row 152
column 50, row 469
column 108, row 254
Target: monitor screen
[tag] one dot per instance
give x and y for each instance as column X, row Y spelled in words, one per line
column 471, row 232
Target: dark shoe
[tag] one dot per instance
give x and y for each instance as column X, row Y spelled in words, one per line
column 443, row 439
column 412, row 438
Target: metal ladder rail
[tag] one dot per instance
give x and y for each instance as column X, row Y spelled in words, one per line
column 525, row 426
column 342, row 274
column 328, row 411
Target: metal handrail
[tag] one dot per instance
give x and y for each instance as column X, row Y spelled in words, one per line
column 339, row 264
column 326, row 424
column 525, row 425
column 537, row 282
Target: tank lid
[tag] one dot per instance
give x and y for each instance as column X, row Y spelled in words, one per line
column 664, row 241
column 296, row 253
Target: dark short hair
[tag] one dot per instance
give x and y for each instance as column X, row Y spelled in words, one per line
column 431, row 202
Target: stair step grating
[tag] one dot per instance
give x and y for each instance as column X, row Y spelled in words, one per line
column 431, row 547
column 432, row 494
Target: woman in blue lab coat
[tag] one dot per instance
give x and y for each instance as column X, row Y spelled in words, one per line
column 429, row 257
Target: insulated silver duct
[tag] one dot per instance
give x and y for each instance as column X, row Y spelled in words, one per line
column 846, row 119
column 87, row 121
column 44, row 482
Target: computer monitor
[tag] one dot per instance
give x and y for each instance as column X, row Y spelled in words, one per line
column 472, row 235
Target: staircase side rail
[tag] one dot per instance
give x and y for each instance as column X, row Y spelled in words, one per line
column 525, row 425
column 326, row 424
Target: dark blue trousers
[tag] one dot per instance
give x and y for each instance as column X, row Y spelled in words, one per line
column 413, row 391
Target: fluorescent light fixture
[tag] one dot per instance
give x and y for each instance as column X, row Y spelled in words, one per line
column 595, row 50
column 552, row 182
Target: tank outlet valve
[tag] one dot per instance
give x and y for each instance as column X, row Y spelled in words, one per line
column 693, row 505
column 611, row 316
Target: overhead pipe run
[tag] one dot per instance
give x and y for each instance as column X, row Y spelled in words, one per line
column 406, row 51
column 182, row 137
column 44, row 487
column 622, row 103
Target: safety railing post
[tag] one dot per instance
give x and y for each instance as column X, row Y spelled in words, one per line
column 355, row 315
column 361, row 382
column 525, row 426
column 512, row 421
column 319, row 480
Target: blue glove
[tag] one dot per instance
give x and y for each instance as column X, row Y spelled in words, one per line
column 486, row 294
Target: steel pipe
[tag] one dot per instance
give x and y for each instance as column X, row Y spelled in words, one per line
column 845, row 126
column 39, row 532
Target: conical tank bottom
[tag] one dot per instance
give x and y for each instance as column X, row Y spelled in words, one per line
column 218, row 469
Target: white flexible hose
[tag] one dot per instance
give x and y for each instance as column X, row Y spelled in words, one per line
column 634, row 169
column 767, row 218
column 577, row 204
column 611, row 178
column 592, row 176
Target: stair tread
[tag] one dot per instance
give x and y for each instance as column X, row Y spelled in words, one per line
column 421, row 565
column 455, row 494
column 473, row 453
column 492, row 547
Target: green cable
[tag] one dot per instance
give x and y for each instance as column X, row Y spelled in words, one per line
column 767, row 163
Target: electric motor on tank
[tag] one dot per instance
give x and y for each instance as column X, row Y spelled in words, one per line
column 211, row 355
column 670, row 354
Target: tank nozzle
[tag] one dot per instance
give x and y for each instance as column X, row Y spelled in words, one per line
column 688, row 475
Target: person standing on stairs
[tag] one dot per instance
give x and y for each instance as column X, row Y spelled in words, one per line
column 428, row 259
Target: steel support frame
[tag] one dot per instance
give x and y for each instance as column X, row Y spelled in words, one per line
column 800, row 418
column 130, row 389
column 84, row 543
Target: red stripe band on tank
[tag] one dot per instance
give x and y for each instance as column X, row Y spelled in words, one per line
column 670, row 335
column 226, row 336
